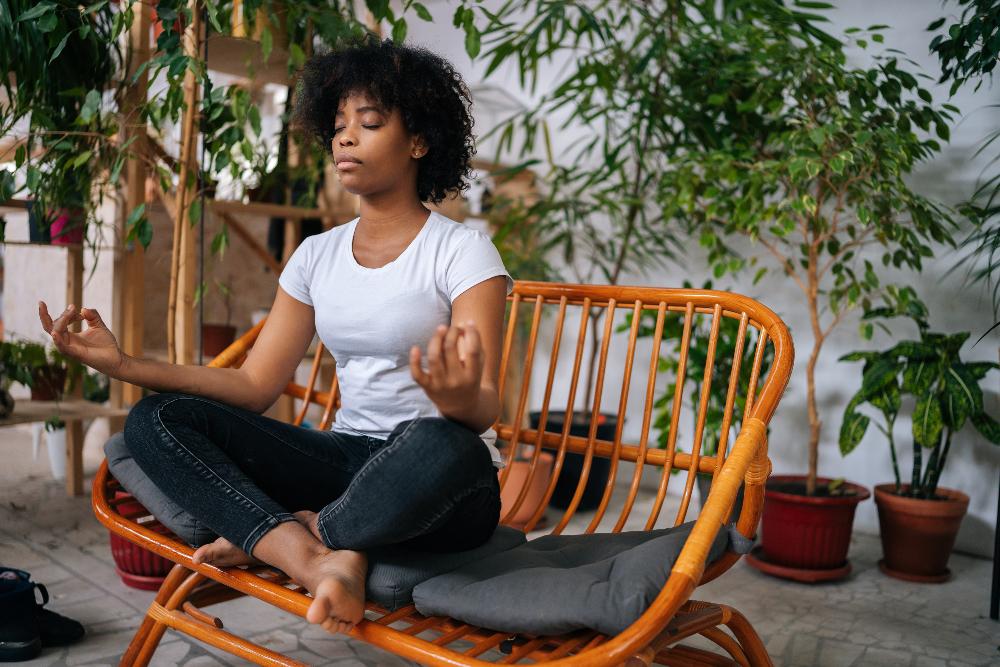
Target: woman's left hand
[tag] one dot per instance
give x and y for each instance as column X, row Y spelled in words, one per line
column 455, row 364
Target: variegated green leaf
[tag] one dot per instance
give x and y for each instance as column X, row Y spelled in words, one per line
column 987, row 426
column 878, row 375
column 961, row 397
column 853, row 428
column 888, row 400
column 927, row 421
column 918, row 377
column 979, row 369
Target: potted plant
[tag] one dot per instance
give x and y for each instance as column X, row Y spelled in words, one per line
column 52, row 373
column 55, row 442
column 804, row 156
column 13, row 368
column 918, row 519
column 217, row 337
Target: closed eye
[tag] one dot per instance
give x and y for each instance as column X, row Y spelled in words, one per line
column 370, row 127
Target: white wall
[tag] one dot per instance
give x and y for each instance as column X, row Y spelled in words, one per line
column 973, row 464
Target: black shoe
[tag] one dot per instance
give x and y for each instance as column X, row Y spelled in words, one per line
column 19, row 638
column 55, row 629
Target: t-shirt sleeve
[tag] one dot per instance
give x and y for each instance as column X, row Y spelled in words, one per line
column 296, row 277
column 475, row 260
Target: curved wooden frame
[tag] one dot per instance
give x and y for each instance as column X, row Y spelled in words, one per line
column 671, row 616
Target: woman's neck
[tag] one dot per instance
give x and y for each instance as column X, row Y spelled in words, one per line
column 384, row 219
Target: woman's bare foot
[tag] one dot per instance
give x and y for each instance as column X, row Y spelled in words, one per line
column 223, row 553
column 310, row 520
column 336, row 580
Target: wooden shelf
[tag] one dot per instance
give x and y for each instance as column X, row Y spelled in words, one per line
column 231, row 55
column 27, row 411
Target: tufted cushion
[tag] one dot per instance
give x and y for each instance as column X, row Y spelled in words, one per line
column 392, row 571
column 560, row 583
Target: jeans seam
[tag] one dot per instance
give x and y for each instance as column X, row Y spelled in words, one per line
column 202, row 463
column 237, row 415
column 327, row 511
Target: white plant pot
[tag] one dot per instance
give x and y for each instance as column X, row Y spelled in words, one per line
column 56, row 443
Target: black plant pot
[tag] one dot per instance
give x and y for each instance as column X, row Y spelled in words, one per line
column 569, row 476
column 38, row 227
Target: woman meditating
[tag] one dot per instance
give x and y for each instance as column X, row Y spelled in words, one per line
column 410, row 459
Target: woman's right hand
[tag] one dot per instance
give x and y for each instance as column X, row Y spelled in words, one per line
column 95, row 346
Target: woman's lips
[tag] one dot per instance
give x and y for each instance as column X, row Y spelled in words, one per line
column 347, row 165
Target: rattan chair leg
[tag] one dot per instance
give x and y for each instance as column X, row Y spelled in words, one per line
column 689, row 656
column 170, row 583
column 175, row 600
column 727, row 643
column 748, row 638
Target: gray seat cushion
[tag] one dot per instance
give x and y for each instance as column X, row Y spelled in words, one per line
column 392, row 571
column 560, row 583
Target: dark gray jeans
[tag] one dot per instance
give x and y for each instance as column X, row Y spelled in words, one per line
column 430, row 486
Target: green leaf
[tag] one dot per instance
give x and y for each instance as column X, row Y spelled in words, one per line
column 962, row 397
column 399, row 31
column 422, row 12
column 918, row 377
column 266, row 43
column 59, row 47
column 987, row 426
column 853, row 427
column 877, row 377
column 194, row 212
column 889, row 401
column 927, row 421
column 36, row 11
column 979, row 369
column 472, row 41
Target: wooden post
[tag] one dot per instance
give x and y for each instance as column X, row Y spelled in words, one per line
column 128, row 312
column 180, row 323
column 74, row 427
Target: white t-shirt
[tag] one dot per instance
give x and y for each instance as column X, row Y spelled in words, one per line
column 370, row 318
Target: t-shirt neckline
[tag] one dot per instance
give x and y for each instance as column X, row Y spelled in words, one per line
column 367, row 269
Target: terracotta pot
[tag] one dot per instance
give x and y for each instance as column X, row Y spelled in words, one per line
column 47, row 383
column 808, row 532
column 137, row 567
column 918, row 534
column 516, row 479
column 215, row 338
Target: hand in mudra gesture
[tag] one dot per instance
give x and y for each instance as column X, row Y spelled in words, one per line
column 455, row 365
column 94, row 346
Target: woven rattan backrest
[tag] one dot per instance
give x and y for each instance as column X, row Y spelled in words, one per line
column 548, row 341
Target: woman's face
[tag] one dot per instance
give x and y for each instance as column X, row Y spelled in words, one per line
column 372, row 150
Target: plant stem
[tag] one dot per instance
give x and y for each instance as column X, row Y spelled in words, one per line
column 814, row 421
column 932, row 465
column 892, row 449
column 917, row 463
column 932, row 489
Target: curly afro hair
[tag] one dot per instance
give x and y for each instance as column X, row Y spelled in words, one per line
column 433, row 101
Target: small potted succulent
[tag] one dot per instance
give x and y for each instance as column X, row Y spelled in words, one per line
column 918, row 519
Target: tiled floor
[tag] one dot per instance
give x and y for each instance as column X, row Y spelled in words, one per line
column 868, row 620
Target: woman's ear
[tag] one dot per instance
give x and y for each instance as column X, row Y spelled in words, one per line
column 419, row 148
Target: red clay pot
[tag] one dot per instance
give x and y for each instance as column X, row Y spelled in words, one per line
column 48, row 383
column 215, row 338
column 808, row 532
column 918, row 534
column 136, row 566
